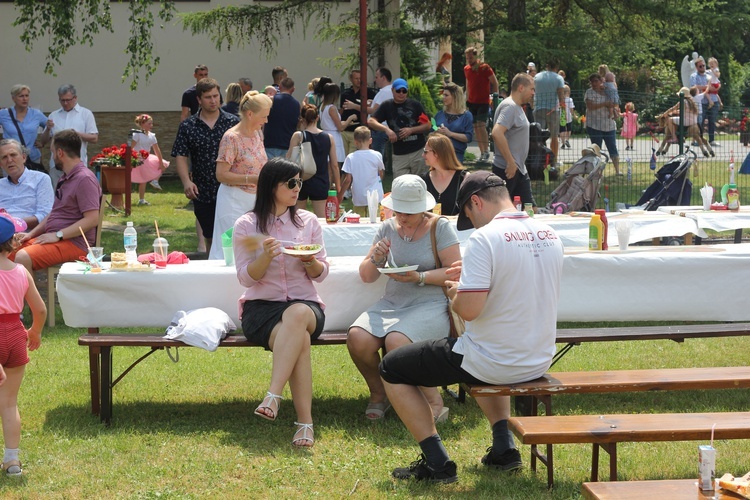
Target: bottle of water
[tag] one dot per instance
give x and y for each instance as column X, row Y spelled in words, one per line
column 130, row 239
column 630, row 168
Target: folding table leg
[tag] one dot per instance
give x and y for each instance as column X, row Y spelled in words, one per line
column 94, row 376
column 106, row 384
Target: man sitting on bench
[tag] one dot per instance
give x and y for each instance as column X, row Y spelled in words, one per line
column 508, row 293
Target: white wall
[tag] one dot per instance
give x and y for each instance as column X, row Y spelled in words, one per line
column 96, row 71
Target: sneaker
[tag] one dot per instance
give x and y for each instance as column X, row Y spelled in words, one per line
column 485, row 156
column 143, row 203
column 567, row 144
column 694, row 144
column 348, row 194
column 419, row 470
column 714, row 144
column 155, row 185
column 508, row 461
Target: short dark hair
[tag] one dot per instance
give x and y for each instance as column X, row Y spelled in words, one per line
column 205, row 85
column 69, row 141
column 520, row 79
column 277, row 72
column 274, row 172
column 287, row 83
column 200, row 67
column 246, row 81
column 385, row 72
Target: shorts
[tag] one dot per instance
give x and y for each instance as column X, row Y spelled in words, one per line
column 567, row 128
column 205, row 213
column 479, row 111
column 49, row 254
column 409, row 163
column 519, row 185
column 549, row 119
column 431, row 363
column 313, row 190
column 259, row 317
column 13, row 340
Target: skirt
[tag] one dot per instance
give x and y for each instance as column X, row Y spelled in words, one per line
column 231, row 204
column 149, row 170
column 259, row 317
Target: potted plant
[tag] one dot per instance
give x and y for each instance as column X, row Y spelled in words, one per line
column 114, row 176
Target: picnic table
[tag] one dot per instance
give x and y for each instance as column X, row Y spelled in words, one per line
column 715, row 220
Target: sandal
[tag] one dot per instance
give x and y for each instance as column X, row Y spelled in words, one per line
column 307, row 436
column 12, row 467
column 442, row 416
column 267, row 405
column 376, row 411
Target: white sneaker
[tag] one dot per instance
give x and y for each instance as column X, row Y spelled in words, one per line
column 155, row 185
column 143, row 203
column 485, row 156
column 348, row 194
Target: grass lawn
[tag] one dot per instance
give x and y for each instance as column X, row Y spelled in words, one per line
column 186, row 430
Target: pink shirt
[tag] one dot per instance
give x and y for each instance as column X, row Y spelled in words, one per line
column 285, row 278
column 76, row 192
column 13, row 286
column 245, row 155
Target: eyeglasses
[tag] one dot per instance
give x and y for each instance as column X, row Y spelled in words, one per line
column 425, row 151
column 294, row 183
column 66, row 101
column 402, row 91
column 700, row 65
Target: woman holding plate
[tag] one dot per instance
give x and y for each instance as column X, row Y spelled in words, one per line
column 281, row 309
column 414, row 307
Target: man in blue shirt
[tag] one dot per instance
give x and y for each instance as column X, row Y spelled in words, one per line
column 282, row 121
column 549, row 100
column 24, row 193
column 700, row 79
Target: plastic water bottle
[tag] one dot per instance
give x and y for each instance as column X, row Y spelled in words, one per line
column 130, row 240
column 629, row 161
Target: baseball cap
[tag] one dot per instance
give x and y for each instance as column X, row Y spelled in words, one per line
column 7, row 229
column 18, row 223
column 472, row 184
column 400, row 83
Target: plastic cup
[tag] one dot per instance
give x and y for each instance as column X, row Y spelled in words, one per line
column 95, row 257
column 161, row 250
column 623, row 234
column 706, row 202
column 228, row 255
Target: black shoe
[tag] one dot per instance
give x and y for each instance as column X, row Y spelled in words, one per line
column 508, row 461
column 420, row 469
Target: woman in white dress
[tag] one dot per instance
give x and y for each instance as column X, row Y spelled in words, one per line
column 330, row 119
column 241, row 156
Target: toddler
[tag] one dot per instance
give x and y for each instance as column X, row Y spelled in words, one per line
column 629, row 125
column 570, row 114
column 16, row 285
column 154, row 165
column 714, row 83
column 363, row 171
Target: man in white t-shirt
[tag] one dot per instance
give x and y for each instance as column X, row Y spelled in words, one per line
column 508, row 293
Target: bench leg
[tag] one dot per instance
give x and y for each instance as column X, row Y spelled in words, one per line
column 106, row 385
column 610, row 448
column 94, row 359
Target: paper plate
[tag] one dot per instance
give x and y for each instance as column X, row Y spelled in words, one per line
column 298, row 249
column 397, row 270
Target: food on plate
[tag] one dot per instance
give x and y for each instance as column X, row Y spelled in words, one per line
column 303, row 247
column 739, row 485
column 118, row 260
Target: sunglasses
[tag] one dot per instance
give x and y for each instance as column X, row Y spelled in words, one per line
column 294, row 183
column 700, row 65
column 402, row 91
column 58, row 191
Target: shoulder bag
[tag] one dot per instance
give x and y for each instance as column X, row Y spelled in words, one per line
column 32, row 165
column 302, row 155
column 458, row 325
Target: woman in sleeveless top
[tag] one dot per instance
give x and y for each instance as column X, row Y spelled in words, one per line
column 445, row 175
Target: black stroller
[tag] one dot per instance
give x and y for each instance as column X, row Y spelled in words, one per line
column 672, row 186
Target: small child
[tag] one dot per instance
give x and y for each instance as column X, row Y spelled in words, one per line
column 363, row 171
column 610, row 89
column 714, row 82
column 629, row 125
column 270, row 91
column 570, row 114
column 154, row 165
column 16, row 284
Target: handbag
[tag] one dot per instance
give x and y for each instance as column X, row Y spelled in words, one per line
column 29, row 163
column 457, row 323
column 302, row 155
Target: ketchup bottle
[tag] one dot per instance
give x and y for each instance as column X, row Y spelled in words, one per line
column 332, row 205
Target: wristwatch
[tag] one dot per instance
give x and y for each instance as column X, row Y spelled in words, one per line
column 59, row 235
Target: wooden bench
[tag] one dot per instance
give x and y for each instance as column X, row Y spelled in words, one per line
column 605, row 431
column 100, row 359
column 665, row 488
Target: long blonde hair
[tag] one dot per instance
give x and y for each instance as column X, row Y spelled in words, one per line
column 459, row 102
column 444, row 151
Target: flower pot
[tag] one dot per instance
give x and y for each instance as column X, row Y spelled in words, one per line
column 115, row 183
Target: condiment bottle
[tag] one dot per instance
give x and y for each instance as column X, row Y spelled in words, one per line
column 529, row 209
column 517, row 203
column 733, row 197
column 605, row 225
column 596, row 231
column 332, row 205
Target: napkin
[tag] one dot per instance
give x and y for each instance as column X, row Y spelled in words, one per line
column 707, row 193
column 175, row 257
column 372, row 204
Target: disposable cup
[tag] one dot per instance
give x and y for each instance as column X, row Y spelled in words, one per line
column 95, row 257
column 228, row 255
column 706, row 203
column 161, row 251
column 623, row 234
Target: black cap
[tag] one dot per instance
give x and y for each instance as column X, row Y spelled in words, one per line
column 472, row 184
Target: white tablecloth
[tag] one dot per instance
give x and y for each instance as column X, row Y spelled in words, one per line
column 704, row 283
column 716, row 220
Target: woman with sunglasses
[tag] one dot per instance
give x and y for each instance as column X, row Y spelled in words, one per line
column 323, row 148
column 414, row 307
column 446, row 173
column 454, row 120
column 281, row 309
column 241, row 156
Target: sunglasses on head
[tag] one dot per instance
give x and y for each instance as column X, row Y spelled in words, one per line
column 402, row 91
column 294, row 183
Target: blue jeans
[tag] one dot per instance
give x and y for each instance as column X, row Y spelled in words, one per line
column 378, row 141
column 609, row 138
column 712, row 114
column 274, row 152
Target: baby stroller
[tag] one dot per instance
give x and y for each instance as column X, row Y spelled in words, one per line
column 672, row 186
column 579, row 190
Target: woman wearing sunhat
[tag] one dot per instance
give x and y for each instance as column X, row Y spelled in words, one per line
column 413, row 307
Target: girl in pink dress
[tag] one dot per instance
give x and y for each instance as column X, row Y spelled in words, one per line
column 16, row 285
column 629, row 125
column 152, row 167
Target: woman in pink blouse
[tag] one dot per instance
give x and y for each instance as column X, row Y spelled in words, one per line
column 281, row 309
column 241, row 156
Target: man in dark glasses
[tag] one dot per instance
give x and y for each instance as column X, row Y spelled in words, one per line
column 405, row 123
column 57, row 238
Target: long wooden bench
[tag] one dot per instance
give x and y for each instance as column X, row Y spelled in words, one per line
column 662, row 488
column 100, row 359
column 605, row 431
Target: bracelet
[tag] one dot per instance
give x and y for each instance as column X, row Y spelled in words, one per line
column 422, row 276
column 246, row 181
column 308, row 263
column 377, row 263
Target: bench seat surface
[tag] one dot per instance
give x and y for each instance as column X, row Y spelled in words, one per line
column 638, row 490
column 630, row 428
column 149, row 340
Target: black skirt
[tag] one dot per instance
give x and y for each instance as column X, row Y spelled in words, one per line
column 259, row 317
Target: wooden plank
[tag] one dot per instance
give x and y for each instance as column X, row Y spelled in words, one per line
column 674, row 332
column 667, row 379
column 630, row 428
column 142, row 340
column 638, row 490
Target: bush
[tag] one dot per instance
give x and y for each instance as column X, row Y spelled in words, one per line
column 419, row 91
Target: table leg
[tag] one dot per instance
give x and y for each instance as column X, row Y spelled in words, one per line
column 106, row 385
column 738, row 235
column 94, row 359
